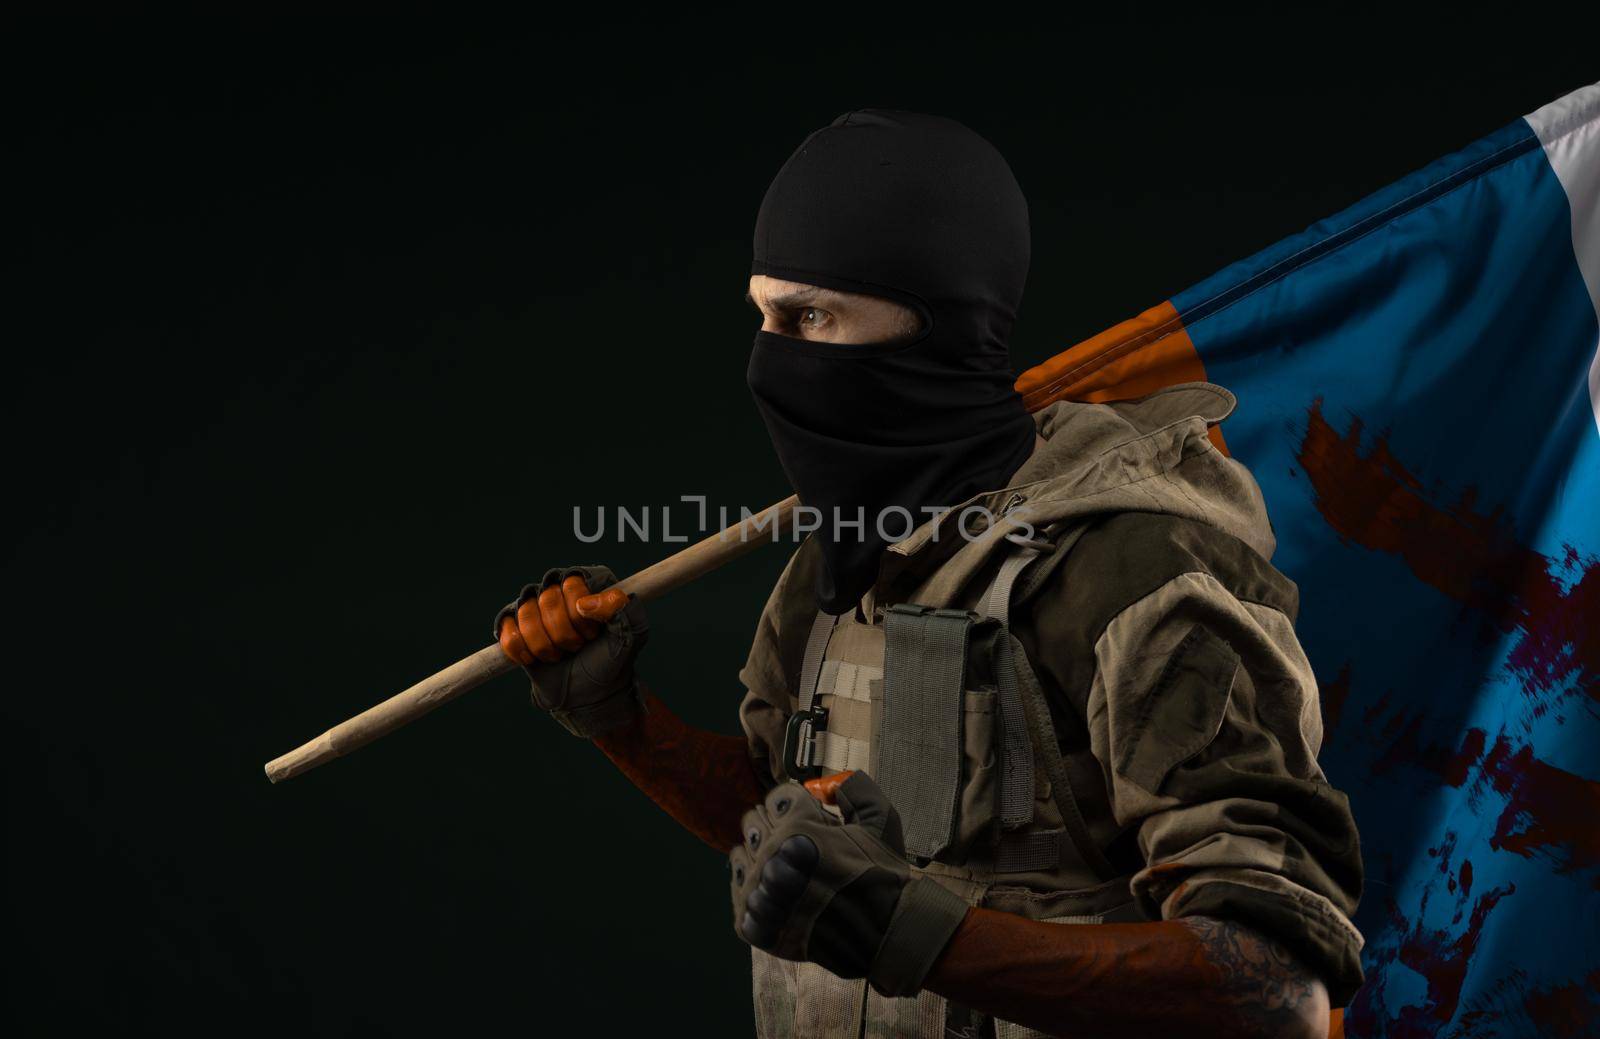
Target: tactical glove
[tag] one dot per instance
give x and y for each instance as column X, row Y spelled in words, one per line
column 842, row 895
column 581, row 666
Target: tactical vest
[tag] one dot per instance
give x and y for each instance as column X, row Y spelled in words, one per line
column 937, row 702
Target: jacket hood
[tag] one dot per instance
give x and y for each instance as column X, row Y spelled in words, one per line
column 1153, row 454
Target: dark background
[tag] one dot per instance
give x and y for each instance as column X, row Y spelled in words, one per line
column 319, row 330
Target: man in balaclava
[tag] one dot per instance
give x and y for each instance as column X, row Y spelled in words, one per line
column 1049, row 770
column 923, row 213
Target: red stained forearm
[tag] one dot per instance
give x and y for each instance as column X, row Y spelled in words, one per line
column 1196, row 977
column 704, row 780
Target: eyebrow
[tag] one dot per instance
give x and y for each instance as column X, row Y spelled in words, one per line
column 797, row 298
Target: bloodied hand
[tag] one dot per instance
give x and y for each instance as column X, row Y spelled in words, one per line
column 577, row 637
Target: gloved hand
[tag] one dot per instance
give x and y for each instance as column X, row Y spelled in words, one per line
column 577, row 637
column 842, row 895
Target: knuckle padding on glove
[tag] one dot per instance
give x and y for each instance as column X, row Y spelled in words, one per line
column 796, row 860
column 595, row 578
column 761, row 905
column 753, row 822
column 841, row 895
column 593, row 689
column 510, row 609
column 740, row 866
column 784, row 859
column 778, row 890
column 785, row 876
column 759, row 934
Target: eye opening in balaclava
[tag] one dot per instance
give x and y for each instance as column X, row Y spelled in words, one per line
column 919, row 311
column 922, row 211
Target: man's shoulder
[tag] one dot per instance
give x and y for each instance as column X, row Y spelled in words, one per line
column 1127, row 556
column 1121, row 561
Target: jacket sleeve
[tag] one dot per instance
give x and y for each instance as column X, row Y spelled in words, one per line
column 1203, row 712
column 1169, row 652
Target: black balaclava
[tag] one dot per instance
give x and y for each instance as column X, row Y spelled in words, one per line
column 923, row 211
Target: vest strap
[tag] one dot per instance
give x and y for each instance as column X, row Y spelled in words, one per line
column 1015, row 747
column 1022, row 706
column 800, row 752
column 919, row 741
column 997, row 599
column 1027, row 852
column 1056, row 769
column 811, row 664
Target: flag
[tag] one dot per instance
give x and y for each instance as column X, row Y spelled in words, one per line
column 1419, row 397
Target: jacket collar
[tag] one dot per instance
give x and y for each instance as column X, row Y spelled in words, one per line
column 1152, row 455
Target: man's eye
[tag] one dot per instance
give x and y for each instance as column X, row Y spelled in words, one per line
column 813, row 316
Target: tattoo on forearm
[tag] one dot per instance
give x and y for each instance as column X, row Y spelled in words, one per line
column 1259, row 974
column 1194, row 976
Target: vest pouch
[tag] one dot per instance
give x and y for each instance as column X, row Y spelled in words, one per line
column 975, row 815
column 920, row 717
column 978, row 819
column 937, row 731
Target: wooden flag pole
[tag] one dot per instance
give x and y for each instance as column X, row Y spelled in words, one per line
column 650, row 583
column 1149, row 352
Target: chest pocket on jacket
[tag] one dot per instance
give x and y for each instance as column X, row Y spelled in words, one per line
column 1183, row 711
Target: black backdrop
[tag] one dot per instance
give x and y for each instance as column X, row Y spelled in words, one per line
column 318, row 333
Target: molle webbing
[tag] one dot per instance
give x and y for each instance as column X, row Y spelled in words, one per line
column 919, row 743
column 904, row 722
column 850, row 687
column 822, row 733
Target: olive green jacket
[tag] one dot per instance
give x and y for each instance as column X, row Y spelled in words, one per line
column 1164, row 641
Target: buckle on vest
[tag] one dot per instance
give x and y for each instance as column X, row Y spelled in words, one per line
column 800, row 743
